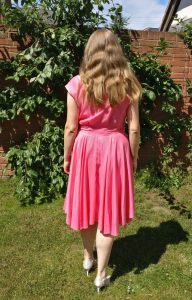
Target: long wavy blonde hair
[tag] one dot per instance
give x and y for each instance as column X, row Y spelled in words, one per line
column 105, row 70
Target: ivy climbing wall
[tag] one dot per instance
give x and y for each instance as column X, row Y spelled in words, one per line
column 177, row 55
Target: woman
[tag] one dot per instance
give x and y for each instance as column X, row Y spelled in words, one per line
column 98, row 155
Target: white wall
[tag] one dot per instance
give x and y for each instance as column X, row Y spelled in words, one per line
column 185, row 13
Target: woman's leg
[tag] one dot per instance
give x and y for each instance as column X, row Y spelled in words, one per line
column 104, row 245
column 88, row 237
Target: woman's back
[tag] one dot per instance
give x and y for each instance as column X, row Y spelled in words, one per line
column 95, row 118
column 100, row 185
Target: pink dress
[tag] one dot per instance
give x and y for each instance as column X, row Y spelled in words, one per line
column 100, row 184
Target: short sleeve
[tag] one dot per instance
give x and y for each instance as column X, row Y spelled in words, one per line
column 73, row 88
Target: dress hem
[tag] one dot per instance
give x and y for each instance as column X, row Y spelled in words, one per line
column 129, row 220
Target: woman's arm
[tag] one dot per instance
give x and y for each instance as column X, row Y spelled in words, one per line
column 134, row 130
column 70, row 130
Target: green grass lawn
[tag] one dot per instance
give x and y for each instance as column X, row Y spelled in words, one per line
column 41, row 257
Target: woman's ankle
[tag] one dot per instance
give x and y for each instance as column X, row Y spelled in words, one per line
column 88, row 256
column 101, row 274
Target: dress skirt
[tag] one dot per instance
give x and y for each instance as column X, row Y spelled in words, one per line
column 100, row 184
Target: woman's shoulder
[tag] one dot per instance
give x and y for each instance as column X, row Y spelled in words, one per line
column 73, row 87
column 76, row 80
column 77, row 76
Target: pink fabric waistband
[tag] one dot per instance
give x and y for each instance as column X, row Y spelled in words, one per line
column 102, row 131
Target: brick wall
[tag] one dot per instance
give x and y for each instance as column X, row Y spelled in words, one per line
column 178, row 55
column 180, row 59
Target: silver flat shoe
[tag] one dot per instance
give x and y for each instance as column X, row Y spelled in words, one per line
column 100, row 282
column 88, row 264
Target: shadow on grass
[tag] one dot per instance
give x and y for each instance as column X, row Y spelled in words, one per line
column 174, row 204
column 136, row 252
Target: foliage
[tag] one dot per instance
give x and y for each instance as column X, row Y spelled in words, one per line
column 189, row 87
column 158, row 89
column 164, row 178
column 15, row 102
column 58, row 31
column 185, row 30
column 188, row 35
column 38, row 164
column 160, row 117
